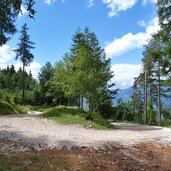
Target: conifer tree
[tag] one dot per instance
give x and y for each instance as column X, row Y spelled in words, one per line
column 44, row 77
column 91, row 69
column 164, row 13
column 23, row 52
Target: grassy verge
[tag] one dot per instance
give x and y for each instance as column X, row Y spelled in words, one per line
column 10, row 108
column 164, row 123
column 72, row 115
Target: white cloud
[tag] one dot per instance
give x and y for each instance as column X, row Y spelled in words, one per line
column 122, row 5
column 125, row 74
column 5, row 54
column 23, row 11
column 90, row 3
column 2, row 66
column 34, row 68
column 118, row 5
column 131, row 41
column 49, row 2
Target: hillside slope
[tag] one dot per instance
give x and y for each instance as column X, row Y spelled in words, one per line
column 9, row 108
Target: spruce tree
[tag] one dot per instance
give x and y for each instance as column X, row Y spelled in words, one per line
column 23, row 52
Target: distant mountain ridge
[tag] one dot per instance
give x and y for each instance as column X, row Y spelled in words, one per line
column 125, row 95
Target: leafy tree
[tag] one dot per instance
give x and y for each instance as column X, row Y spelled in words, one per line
column 104, row 101
column 164, row 13
column 84, row 73
column 11, row 85
column 90, row 67
column 9, row 10
column 155, row 50
column 152, row 78
column 123, row 111
column 61, row 83
column 46, row 73
column 23, row 52
column 137, row 100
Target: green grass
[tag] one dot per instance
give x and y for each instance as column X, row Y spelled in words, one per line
column 73, row 115
column 10, row 108
column 164, row 123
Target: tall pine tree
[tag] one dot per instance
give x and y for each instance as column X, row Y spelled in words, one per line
column 23, row 52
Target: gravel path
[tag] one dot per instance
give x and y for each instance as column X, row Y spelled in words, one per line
column 31, row 130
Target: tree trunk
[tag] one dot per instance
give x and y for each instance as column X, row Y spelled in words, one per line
column 151, row 95
column 67, row 101
column 23, row 93
column 90, row 106
column 81, row 103
column 159, row 96
column 145, row 99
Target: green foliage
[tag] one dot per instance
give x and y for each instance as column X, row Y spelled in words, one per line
column 152, row 115
column 11, row 86
column 9, row 10
column 73, row 115
column 164, row 122
column 23, row 52
column 91, row 68
column 24, row 47
column 164, row 14
column 152, row 81
column 123, row 111
column 157, row 68
column 105, row 109
column 47, row 92
column 10, row 108
column 85, row 72
column 166, row 113
column 104, row 101
column 137, row 100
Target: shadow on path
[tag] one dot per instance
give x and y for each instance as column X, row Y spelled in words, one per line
column 135, row 127
column 23, row 142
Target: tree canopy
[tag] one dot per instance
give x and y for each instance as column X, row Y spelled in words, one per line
column 85, row 71
column 9, row 10
column 24, row 50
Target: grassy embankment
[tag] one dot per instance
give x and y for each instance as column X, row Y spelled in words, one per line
column 10, row 108
column 73, row 115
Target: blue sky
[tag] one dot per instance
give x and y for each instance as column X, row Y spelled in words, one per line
column 122, row 27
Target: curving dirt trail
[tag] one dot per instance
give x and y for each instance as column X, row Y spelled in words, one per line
column 31, row 130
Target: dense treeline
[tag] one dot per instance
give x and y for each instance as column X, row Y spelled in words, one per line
column 83, row 73
column 11, row 85
column 82, row 77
